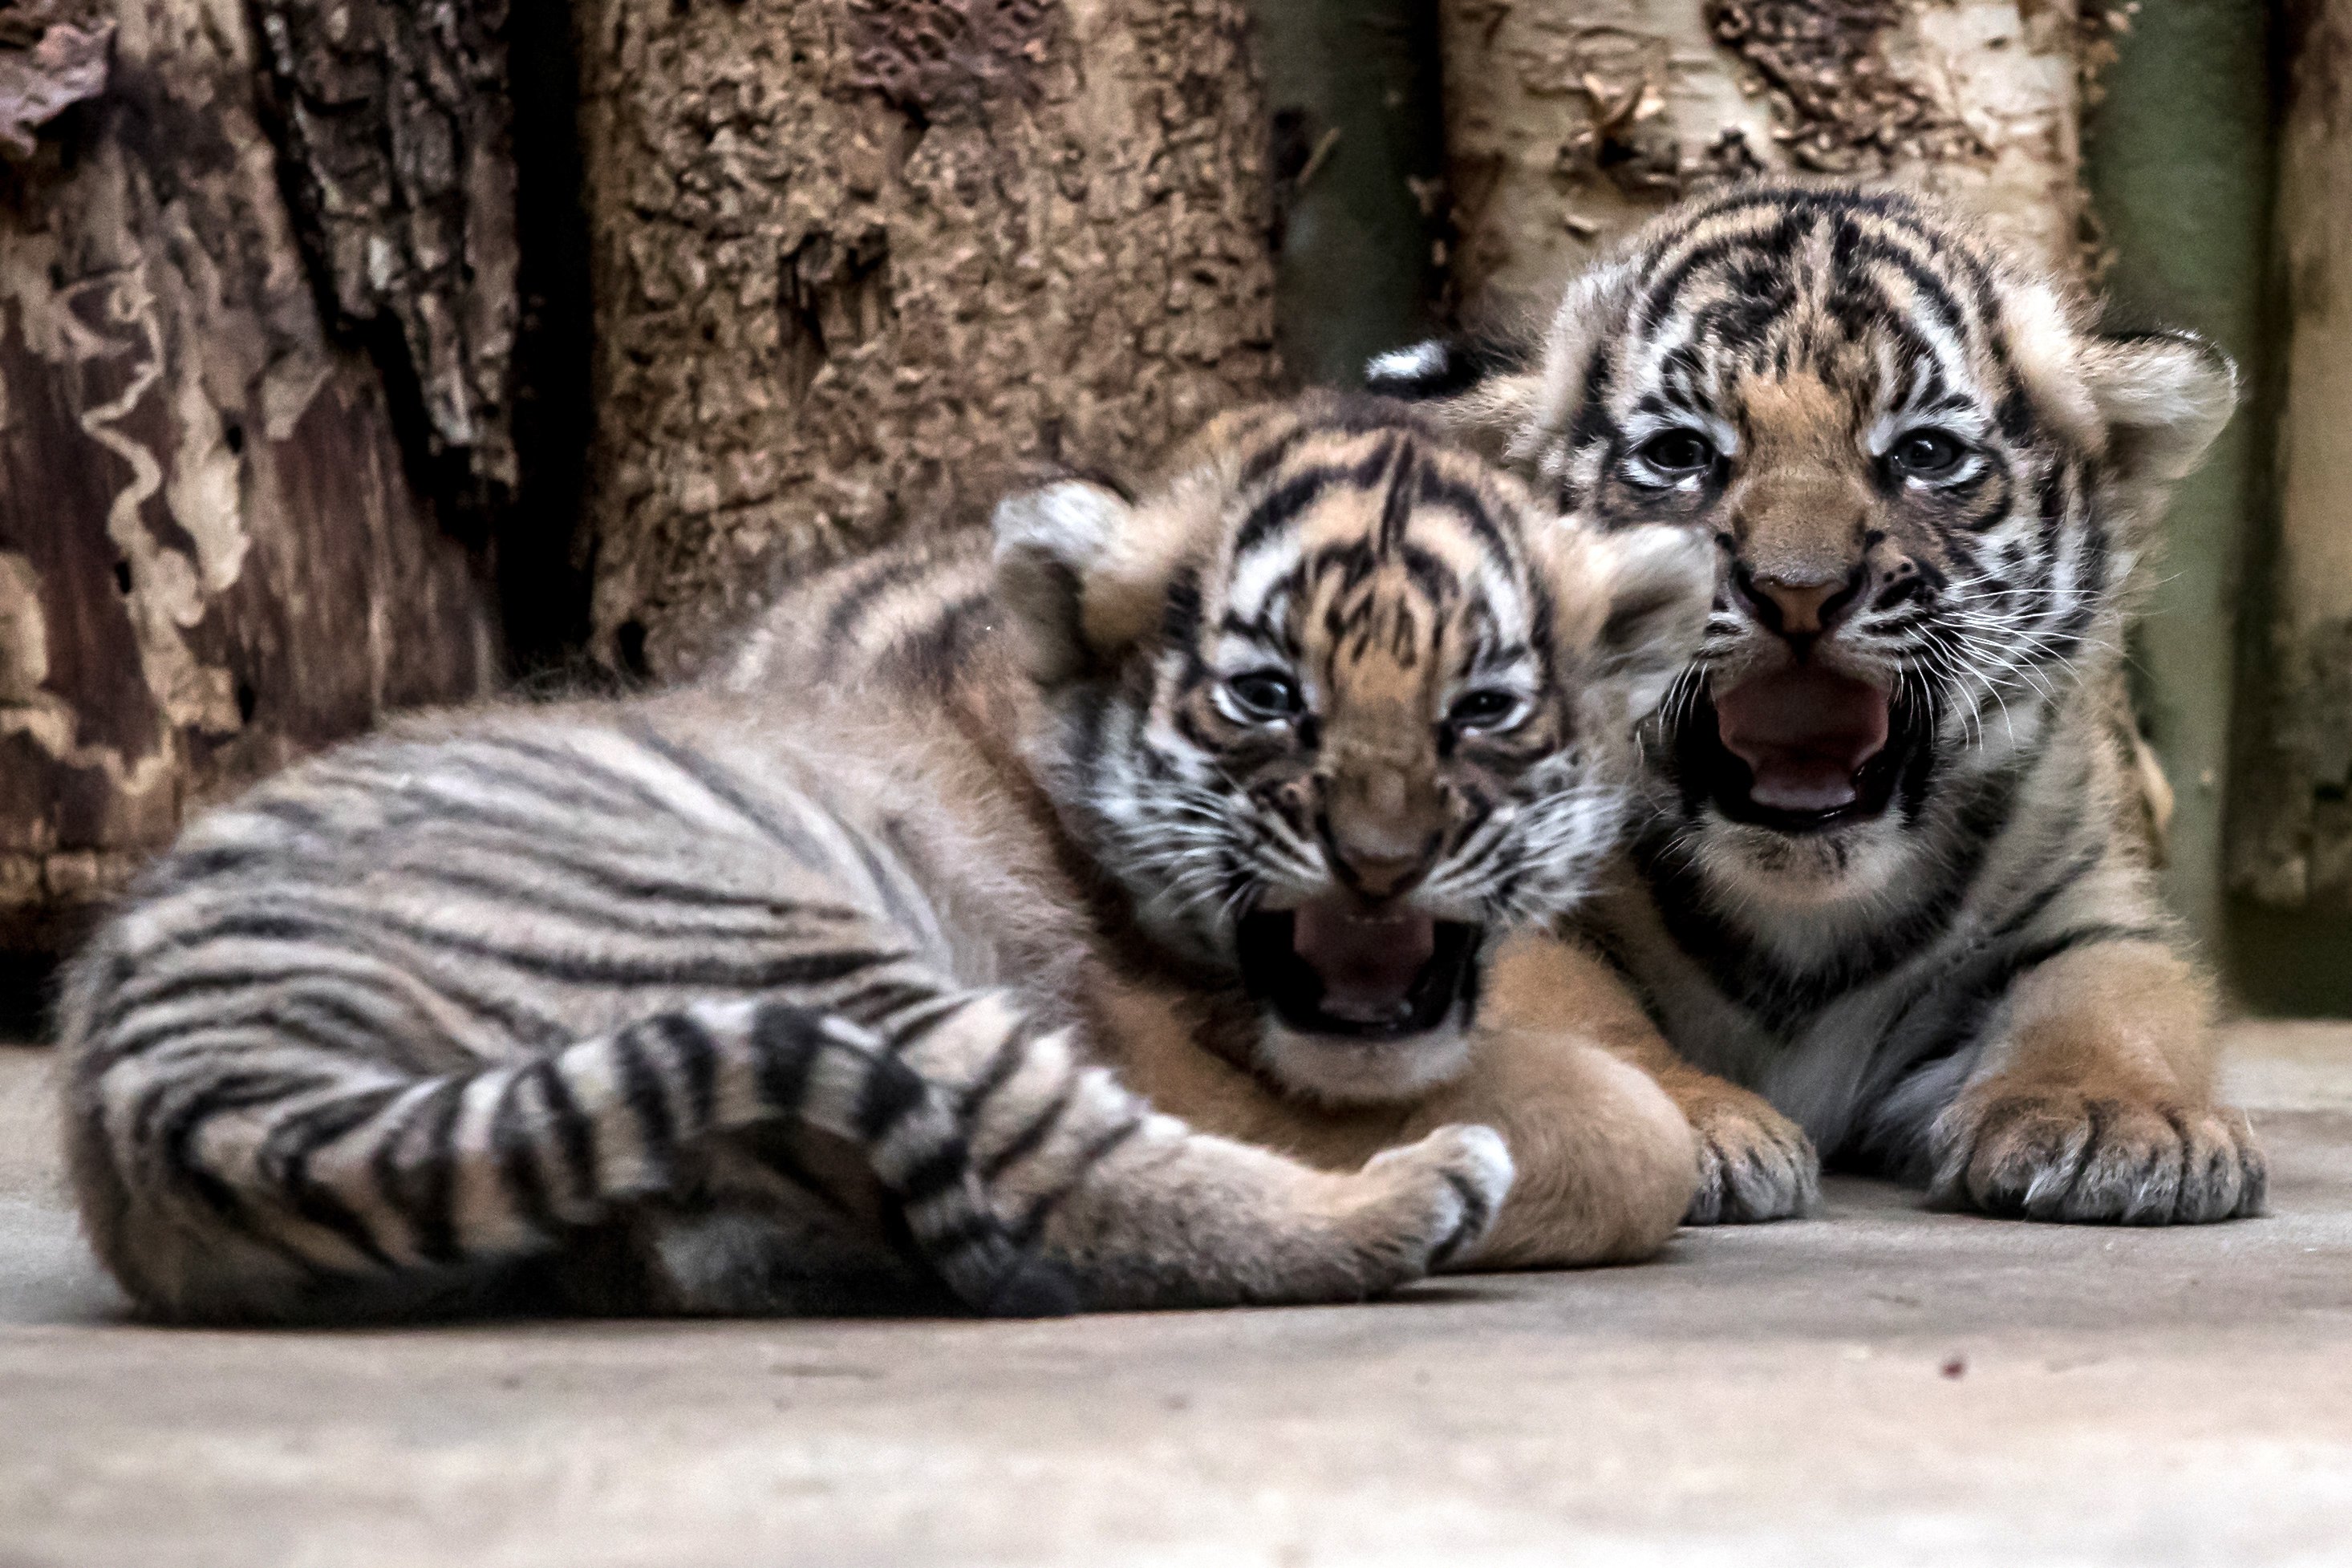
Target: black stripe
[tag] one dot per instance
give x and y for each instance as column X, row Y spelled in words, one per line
column 1010, row 1055
column 517, row 1155
column 1025, row 1142
column 421, row 1185
column 695, row 1056
column 575, row 1131
column 934, row 1173
column 724, row 786
column 796, row 969
column 892, row 1093
column 292, row 1144
column 1033, row 1224
column 785, row 1039
column 644, row 1090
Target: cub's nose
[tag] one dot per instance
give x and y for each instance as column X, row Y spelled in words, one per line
column 1381, row 830
column 1800, row 605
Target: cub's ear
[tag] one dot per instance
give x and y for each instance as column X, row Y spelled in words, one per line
column 2163, row 397
column 1655, row 587
column 1083, row 572
column 1050, row 543
column 1482, row 390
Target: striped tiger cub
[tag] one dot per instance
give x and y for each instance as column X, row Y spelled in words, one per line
column 875, row 971
column 1889, row 896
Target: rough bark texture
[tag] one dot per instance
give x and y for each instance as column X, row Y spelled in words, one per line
column 211, row 559
column 392, row 117
column 1571, row 120
column 2292, row 818
column 852, row 257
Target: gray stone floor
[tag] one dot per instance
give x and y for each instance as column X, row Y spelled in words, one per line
column 1879, row 1385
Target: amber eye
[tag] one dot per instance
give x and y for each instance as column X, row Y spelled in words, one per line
column 1488, row 707
column 1925, row 453
column 1677, row 452
column 1264, row 694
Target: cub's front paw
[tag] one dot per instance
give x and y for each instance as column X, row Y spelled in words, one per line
column 1754, row 1164
column 2055, row 1152
column 1430, row 1201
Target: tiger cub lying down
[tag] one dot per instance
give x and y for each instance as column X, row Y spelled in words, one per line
column 841, row 981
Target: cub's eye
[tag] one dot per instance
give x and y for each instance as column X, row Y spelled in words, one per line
column 1488, row 707
column 1925, row 453
column 1264, row 694
column 1677, row 452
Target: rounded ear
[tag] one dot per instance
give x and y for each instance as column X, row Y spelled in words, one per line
column 1660, row 585
column 1050, row 543
column 2163, row 395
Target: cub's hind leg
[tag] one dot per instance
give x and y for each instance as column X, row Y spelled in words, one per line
column 1138, row 1209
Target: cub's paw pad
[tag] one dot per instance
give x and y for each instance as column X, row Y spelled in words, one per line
column 1754, row 1165
column 2055, row 1153
column 1442, row 1193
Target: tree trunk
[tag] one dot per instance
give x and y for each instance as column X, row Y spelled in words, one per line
column 1353, row 91
column 2294, row 841
column 852, row 258
column 1569, row 121
column 212, row 558
column 2178, row 169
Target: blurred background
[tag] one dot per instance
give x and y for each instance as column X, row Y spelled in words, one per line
column 356, row 354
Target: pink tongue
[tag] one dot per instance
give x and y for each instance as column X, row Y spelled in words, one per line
column 1367, row 965
column 1804, row 733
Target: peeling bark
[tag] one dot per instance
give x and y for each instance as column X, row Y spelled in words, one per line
column 392, row 118
column 1570, row 122
column 2291, row 816
column 855, row 259
column 211, row 559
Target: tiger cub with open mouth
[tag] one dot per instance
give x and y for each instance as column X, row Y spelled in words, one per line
column 868, row 972
column 1888, row 880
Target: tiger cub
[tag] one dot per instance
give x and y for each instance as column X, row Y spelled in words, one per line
column 1887, row 881
column 813, row 990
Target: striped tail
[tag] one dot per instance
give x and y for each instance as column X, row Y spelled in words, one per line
column 347, row 1174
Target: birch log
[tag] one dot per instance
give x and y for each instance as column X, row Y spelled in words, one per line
column 1569, row 121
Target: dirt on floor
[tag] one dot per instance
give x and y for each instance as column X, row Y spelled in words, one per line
column 1877, row 1384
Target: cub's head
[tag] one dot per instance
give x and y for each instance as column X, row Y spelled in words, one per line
column 1925, row 474
column 1335, row 702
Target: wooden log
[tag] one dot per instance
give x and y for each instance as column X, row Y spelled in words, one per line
column 2178, row 165
column 1568, row 122
column 1359, row 164
column 855, row 259
column 212, row 556
column 2292, row 817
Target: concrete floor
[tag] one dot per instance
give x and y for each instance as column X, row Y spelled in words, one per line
column 1878, row 1386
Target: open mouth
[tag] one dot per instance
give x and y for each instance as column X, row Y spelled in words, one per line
column 1331, row 966
column 1801, row 750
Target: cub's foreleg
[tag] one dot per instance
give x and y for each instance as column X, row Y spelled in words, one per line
column 2093, row 1099
column 1753, row 1163
column 1606, row 1164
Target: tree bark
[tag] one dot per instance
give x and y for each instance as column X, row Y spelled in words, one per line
column 212, row 557
column 1570, row 122
column 854, row 258
column 2291, row 821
